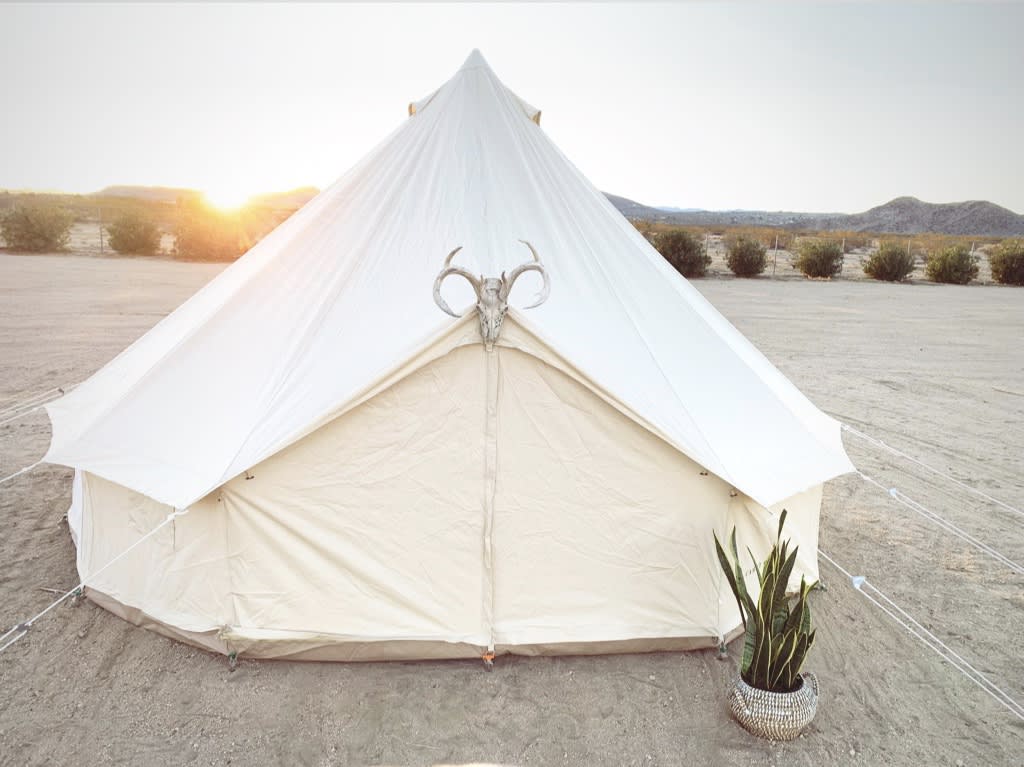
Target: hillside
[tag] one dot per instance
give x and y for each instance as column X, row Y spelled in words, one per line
column 904, row 215
column 908, row 215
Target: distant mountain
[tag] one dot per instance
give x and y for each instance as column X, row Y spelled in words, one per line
column 904, row 215
column 670, row 209
column 632, row 209
column 698, row 217
column 908, row 215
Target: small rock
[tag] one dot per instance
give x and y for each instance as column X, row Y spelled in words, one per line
column 651, row 677
column 853, row 752
column 959, row 763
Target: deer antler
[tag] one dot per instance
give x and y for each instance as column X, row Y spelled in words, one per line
column 447, row 271
column 530, row 266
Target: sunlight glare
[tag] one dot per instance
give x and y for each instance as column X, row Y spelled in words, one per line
column 226, row 198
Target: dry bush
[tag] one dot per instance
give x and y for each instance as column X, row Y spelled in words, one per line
column 684, row 251
column 745, row 257
column 134, row 234
column 36, row 227
column 819, row 258
column 891, row 262
column 203, row 233
column 1007, row 262
column 954, row 264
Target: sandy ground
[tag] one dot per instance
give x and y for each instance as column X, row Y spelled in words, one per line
column 936, row 370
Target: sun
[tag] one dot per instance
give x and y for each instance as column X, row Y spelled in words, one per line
column 226, row 197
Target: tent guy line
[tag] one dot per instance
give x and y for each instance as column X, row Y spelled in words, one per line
column 33, row 400
column 35, row 403
column 22, row 415
column 940, row 648
column 945, row 524
column 21, row 629
column 19, row 472
column 889, row 448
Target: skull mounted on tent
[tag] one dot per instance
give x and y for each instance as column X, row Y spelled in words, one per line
column 492, row 292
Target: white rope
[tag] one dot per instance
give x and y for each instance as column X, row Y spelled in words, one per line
column 22, row 415
column 930, row 640
column 21, row 629
column 20, row 472
column 882, row 445
column 945, row 524
column 34, row 403
column 33, row 400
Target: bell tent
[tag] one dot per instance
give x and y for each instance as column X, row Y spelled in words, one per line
column 367, row 477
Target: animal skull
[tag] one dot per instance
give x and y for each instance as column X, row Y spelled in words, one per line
column 492, row 292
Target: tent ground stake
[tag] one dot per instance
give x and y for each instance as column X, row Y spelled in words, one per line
column 232, row 661
column 723, row 653
column 488, row 659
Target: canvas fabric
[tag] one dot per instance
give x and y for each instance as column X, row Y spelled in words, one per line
column 477, row 501
column 327, row 306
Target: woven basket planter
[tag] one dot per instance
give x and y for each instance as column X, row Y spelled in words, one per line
column 775, row 715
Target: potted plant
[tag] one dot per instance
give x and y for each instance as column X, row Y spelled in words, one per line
column 772, row 698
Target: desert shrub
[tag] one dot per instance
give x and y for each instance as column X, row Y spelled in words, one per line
column 135, row 234
column 745, row 257
column 819, row 258
column 685, row 252
column 891, row 262
column 955, row 264
column 36, row 228
column 1007, row 262
column 202, row 233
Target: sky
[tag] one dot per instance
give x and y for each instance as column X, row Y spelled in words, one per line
column 830, row 107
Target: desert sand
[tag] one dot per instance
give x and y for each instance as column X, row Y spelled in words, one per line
column 935, row 370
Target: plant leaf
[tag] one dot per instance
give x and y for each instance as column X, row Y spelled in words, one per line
column 723, row 560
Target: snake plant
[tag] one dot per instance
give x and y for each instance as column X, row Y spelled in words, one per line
column 778, row 627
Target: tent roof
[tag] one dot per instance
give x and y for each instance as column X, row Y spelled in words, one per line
column 341, row 293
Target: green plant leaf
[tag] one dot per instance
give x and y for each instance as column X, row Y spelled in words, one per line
column 723, row 560
column 749, row 641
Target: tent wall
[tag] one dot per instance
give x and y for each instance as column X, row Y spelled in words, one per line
column 368, row 538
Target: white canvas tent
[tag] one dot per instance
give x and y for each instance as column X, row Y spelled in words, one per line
column 365, row 479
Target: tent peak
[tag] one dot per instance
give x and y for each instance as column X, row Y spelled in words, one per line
column 475, row 60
